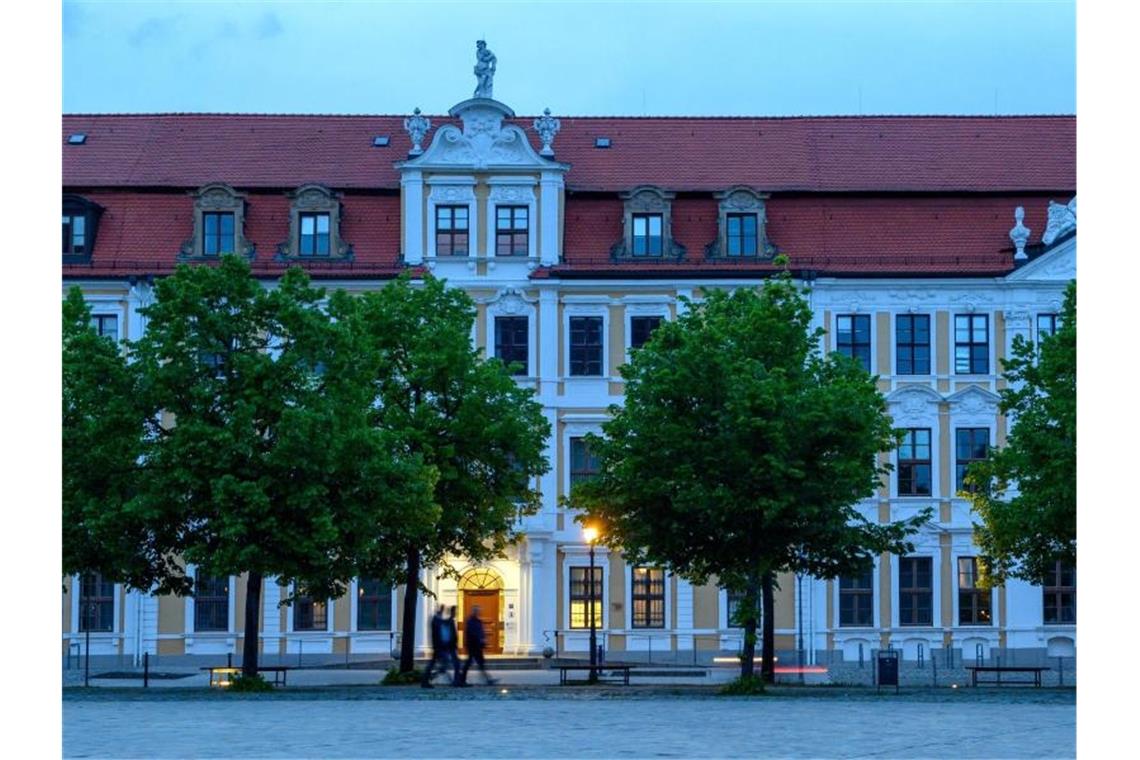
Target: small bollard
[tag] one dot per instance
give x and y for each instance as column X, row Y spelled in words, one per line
column 146, row 669
column 229, row 659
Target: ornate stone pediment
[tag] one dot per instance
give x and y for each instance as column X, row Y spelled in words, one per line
column 975, row 402
column 483, row 143
column 1062, row 219
column 912, row 406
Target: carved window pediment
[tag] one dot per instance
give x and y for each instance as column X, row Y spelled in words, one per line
column 648, row 227
column 80, row 223
column 742, row 227
column 314, row 227
column 219, row 225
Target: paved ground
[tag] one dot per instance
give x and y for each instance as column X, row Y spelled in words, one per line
column 582, row 722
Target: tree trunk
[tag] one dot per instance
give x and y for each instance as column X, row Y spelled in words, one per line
column 767, row 664
column 748, row 656
column 252, row 637
column 408, row 627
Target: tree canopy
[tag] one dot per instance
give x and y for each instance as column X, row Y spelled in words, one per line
column 1026, row 492
column 462, row 414
column 741, row 452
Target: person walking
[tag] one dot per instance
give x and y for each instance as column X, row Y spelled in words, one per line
column 437, row 645
column 451, row 645
column 475, row 639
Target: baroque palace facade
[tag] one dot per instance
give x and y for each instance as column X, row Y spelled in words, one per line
column 575, row 237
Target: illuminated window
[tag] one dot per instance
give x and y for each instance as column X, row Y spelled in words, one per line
column 310, row 615
column 580, row 597
column 973, row 602
column 648, row 592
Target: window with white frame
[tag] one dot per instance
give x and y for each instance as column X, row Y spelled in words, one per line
column 971, row 445
column 971, row 344
column 853, row 337
column 916, row 591
column 912, row 344
column 914, row 466
column 586, row 346
column 211, row 602
column 733, row 608
column 641, row 327
column 310, row 614
column 373, row 605
column 857, row 600
column 974, row 606
column 106, row 325
column 96, row 604
column 512, row 336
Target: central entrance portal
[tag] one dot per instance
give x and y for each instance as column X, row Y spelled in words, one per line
column 483, row 587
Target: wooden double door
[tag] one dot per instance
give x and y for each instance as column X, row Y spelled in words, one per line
column 489, row 603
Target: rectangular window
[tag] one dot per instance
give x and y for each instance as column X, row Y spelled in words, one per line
column 912, row 344
column 648, row 592
column 971, row 344
column 740, row 235
column 914, row 463
column 106, row 325
column 211, row 602
column 96, row 604
column 971, row 445
column 452, row 233
column 583, row 464
column 733, row 603
column 217, row 233
column 1060, row 595
column 856, row 600
column 580, row 597
column 973, row 602
column 586, row 346
column 373, row 605
column 314, row 235
column 511, row 337
column 512, row 233
column 647, row 240
column 74, row 234
column 640, row 328
column 853, row 337
column 310, row 615
column 1047, row 325
column 916, row 594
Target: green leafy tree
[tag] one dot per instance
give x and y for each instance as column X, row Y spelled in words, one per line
column 1026, row 492
column 105, row 526
column 263, row 459
column 463, row 415
column 740, row 453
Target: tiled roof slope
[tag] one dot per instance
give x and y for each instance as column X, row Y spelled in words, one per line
column 834, row 234
column 813, row 154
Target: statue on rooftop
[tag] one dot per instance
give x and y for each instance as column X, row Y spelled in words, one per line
column 484, row 70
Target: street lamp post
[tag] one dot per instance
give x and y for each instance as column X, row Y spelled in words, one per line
column 591, row 535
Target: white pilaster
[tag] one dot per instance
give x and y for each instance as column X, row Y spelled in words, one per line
column 412, row 193
column 684, row 614
column 549, row 249
column 270, row 615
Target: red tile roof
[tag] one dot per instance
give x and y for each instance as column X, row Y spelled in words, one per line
column 817, row 154
column 873, row 195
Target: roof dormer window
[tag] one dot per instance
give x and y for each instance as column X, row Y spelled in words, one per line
column 219, row 221
column 80, row 222
column 314, row 227
column 742, row 227
column 648, row 227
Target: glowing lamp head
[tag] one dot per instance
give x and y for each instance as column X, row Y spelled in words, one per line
column 590, row 533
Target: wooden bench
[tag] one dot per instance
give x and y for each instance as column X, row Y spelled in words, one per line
column 223, row 675
column 617, row 674
column 1034, row 671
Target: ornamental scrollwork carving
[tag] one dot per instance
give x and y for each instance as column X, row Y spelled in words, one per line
column 417, row 127
column 211, row 199
column 743, row 201
column 647, row 199
column 319, row 200
column 1062, row 219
